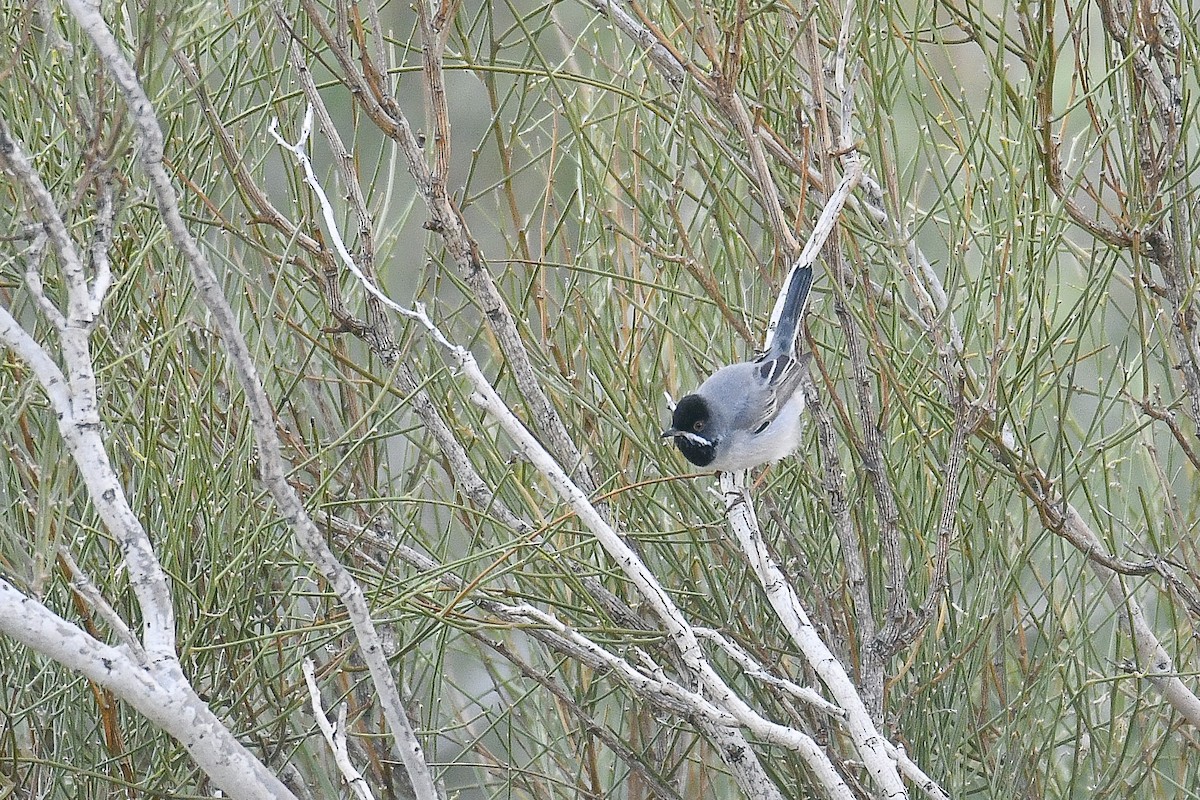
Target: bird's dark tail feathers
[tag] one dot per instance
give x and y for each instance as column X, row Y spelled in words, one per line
column 788, row 326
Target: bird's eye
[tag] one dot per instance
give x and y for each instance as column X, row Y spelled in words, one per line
column 698, row 425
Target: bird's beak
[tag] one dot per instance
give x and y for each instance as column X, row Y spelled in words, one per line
column 669, row 432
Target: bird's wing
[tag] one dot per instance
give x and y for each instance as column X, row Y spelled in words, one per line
column 775, row 381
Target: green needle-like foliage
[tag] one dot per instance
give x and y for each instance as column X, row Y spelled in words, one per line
column 1024, row 151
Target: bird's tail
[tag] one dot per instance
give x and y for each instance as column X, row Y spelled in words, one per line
column 789, row 311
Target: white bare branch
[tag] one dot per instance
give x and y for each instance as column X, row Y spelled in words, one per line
column 72, row 391
column 869, row 743
column 161, row 695
column 274, row 471
column 335, row 735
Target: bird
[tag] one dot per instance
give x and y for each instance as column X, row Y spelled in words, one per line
column 748, row 414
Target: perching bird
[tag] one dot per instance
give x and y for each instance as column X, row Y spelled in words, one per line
column 749, row 413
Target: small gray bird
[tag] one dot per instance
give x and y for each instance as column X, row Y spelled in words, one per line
column 749, row 413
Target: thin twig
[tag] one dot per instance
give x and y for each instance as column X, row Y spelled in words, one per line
column 376, row 318
column 447, row 221
column 82, row 585
column 760, row 673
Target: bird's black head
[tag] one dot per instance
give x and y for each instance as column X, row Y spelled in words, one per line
column 690, row 428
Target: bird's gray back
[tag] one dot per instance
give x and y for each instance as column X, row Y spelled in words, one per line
column 737, row 393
